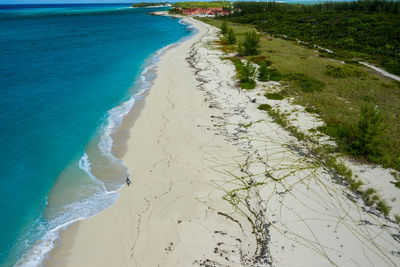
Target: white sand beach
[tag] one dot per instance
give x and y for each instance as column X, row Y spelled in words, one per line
column 215, row 182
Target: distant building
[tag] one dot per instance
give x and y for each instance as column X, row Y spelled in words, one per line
column 205, row 12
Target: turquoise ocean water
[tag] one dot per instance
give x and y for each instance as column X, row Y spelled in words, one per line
column 68, row 76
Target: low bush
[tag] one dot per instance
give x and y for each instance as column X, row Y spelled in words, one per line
column 230, row 36
column 251, row 44
column 245, row 73
column 259, row 59
column 264, row 107
column 335, row 131
column 312, row 110
column 355, row 185
column 343, row 71
column 368, row 196
column 383, row 207
column 248, row 85
column 265, row 74
column 366, row 136
column 392, row 65
column 224, row 28
column 306, row 83
column 274, row 96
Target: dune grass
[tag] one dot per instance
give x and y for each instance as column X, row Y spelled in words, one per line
column 274, row 96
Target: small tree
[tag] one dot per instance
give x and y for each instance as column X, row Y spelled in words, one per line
column 224, row 28
column 368, row 132
column 251, row 43
column 248, row 73
column 241, row 50
column 230, row 36
column 263, row 74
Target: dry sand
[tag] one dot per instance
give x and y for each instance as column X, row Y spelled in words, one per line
column 217, row 183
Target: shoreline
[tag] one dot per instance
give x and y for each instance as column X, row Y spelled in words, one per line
column 60, row 255
column 211, row 188
column 119, row 136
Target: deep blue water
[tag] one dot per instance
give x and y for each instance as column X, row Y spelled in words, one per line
column 62, row 69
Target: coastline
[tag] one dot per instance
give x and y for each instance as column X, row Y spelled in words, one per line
column 211, row 188
column 79, row 244
column 111, row 139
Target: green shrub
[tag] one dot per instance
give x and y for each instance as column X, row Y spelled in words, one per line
column 265, row 74
column 366, row 137
column 248, row 85
column 237, row 62
column 247, row 73
column 262, row 73
column 355, row 185
column 278, row 117
column 240, row 50
column 336, row 131
column 260, row 60
column 251, row 43
column 397, row 163
column 383, row 207
column 343, row 71
column 230, row 37
column 274, row 96
column 367, row 196
column 224, row 28
column 306, row 83
column 393, row 65
column 311, row 110
column 264, row 107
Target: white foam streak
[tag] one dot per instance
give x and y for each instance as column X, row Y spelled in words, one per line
column 77, row 211
column 102, row 199
column 116, row 115
column 86, row 166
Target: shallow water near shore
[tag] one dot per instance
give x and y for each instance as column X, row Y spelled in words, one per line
column 68, row 78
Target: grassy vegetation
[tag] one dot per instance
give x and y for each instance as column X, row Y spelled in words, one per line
column 305, row 82
column 230, row 37
column 340, row 100
column 324, row 154
column 261, row 60
column 397, row 218
column 383, row 207
column 268, row 74
column 250, row 45
column 360, row 107
column 356, row 29
column 224, row 28
column 245, row 73
column 344, row 71
column 274, row 96
column 265, row 107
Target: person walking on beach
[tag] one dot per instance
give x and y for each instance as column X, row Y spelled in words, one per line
column 128, row 181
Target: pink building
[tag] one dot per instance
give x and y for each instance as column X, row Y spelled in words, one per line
column 211, row 11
